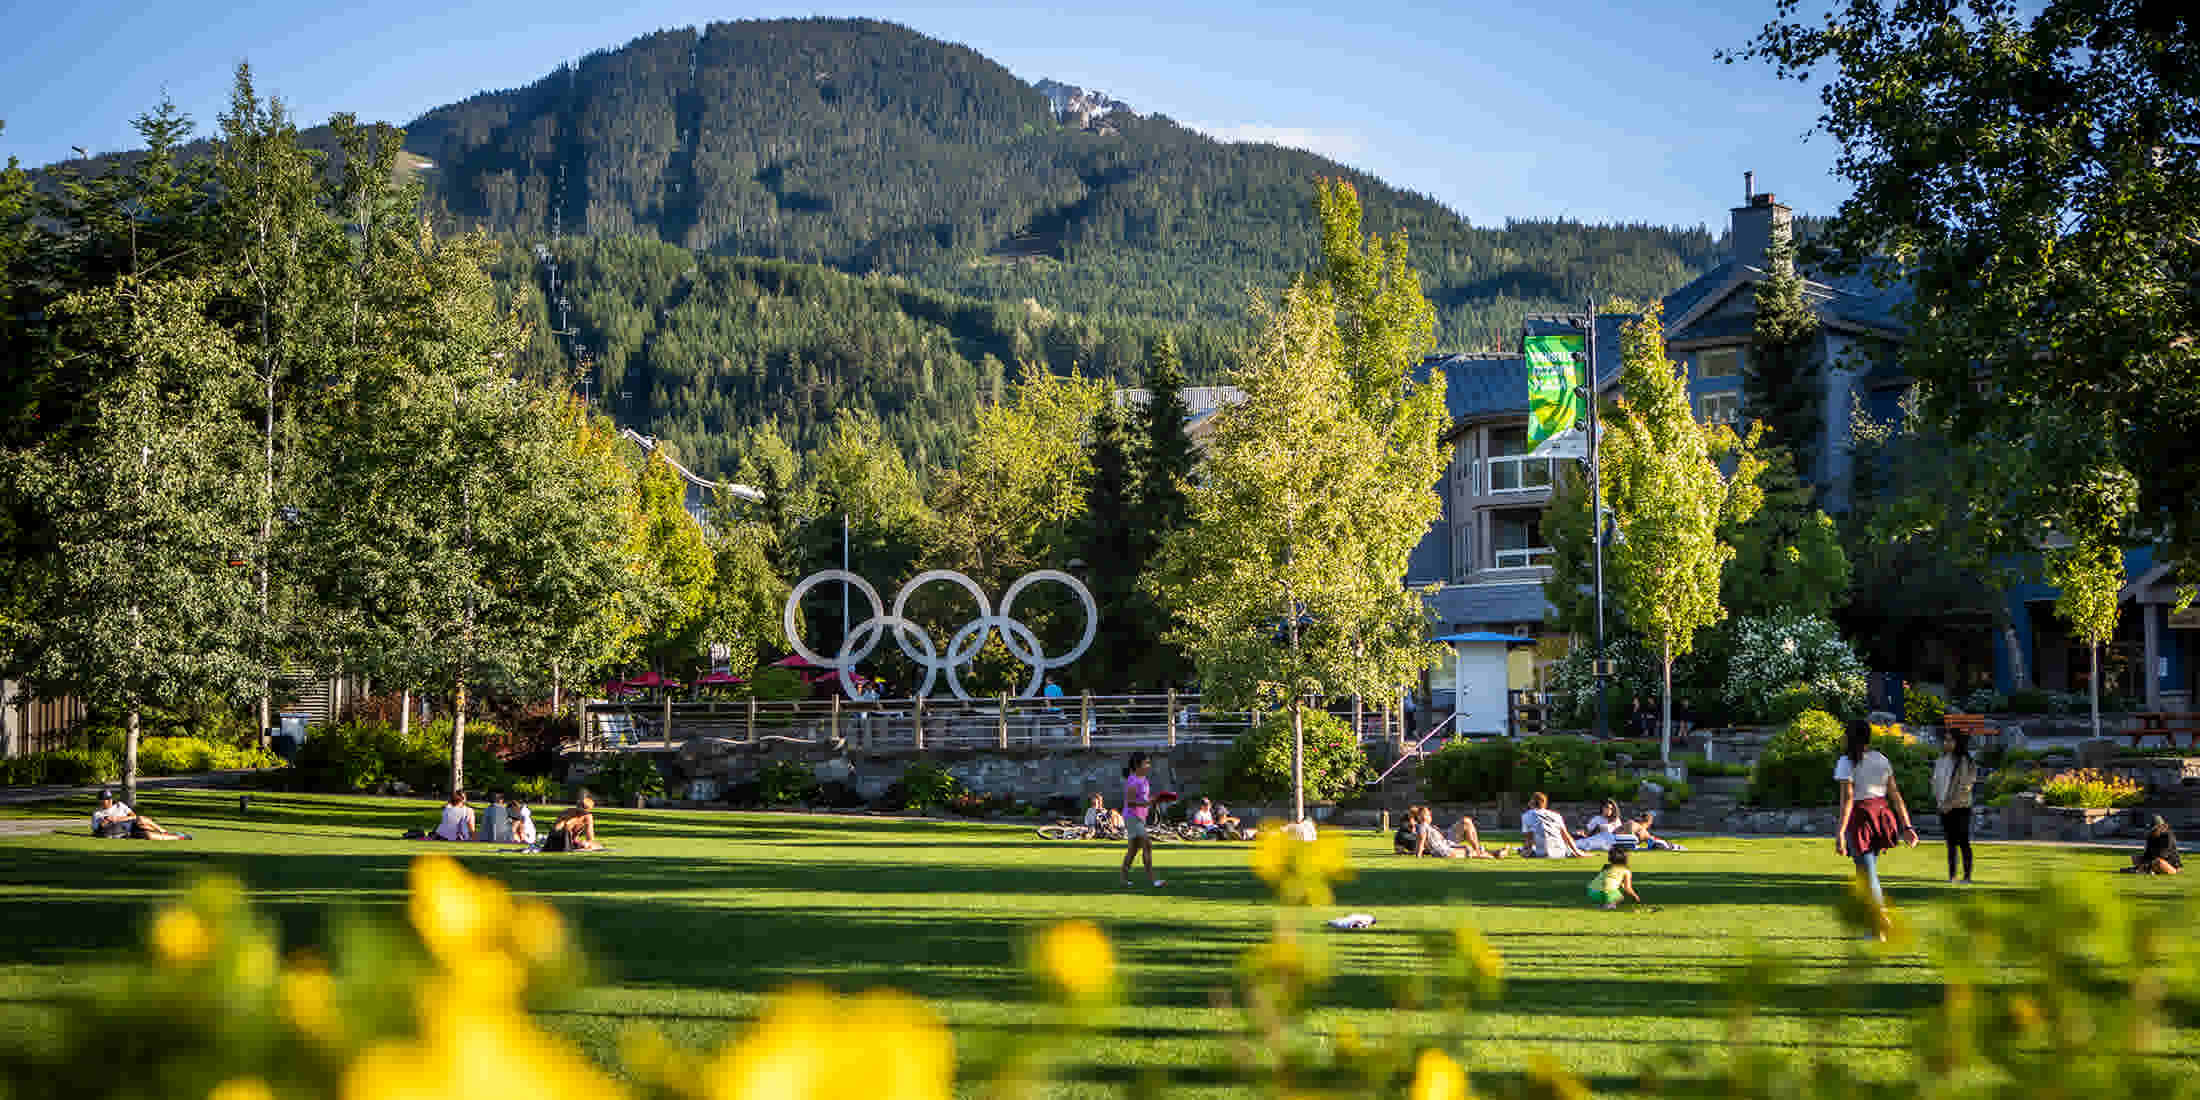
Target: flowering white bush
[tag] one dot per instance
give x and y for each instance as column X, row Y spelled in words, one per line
column 1775, row 653
column 1573, row 684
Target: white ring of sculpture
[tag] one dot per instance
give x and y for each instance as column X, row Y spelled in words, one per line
column 962, row 648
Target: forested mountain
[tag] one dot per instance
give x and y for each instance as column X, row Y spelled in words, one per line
column 868, row 147
column 697, row 348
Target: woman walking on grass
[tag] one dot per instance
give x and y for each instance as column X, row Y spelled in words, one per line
column 1953, row 775
column 1137, row 799
column 1873, row 815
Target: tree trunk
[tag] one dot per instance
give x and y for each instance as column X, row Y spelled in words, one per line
column 557, row 690
column 405, row 713
column 1665, row 720
column 267, row 534
column 1298, row 763
column 458, row 739
column 2095, row 684
column 129, row 757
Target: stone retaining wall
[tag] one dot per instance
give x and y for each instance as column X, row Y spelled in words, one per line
column 706, row 769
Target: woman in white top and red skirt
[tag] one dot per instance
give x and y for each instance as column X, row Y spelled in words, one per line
column 1873, row 816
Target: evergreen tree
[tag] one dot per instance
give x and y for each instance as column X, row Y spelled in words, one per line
column 1787, row 554
column 1108, row 542
column 1782, row 385
column 1167, row 457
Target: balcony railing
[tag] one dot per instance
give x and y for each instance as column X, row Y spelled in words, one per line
column 1525, row 558
column 1517, row 473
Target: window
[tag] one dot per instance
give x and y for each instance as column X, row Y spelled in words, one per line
column 1509, row 470
column 1516, row 538
column 1720, row 408
column 1719, row 363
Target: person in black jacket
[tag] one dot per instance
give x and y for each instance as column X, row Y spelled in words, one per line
column 2160, row 856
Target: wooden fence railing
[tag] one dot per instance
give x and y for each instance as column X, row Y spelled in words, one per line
column 1113, row 722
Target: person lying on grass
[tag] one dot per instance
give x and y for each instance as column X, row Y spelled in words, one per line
column 116, row 820
column 1603, row 829
column 1229, row 826
column 1639, row 828
column 575, row 829
column 1614, row 882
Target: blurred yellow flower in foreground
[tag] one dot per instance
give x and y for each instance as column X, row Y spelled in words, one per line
column 812, row 1044
column 1076, row 958
column 456, row 913
column 475, row 1051
column 1300, row 871
column 181, row 937
column 1437, row 1077
column 241, row 1088
column 309, row 1002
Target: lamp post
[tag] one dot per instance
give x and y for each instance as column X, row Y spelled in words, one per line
column 1598, row 664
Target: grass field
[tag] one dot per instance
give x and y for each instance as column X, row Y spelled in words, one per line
column 695, row 917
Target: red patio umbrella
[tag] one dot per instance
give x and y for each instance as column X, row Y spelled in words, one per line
column 719, row 678
column 794, row 660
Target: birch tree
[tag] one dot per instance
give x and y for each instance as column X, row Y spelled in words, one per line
column 1286, row 584
column 1668, row 495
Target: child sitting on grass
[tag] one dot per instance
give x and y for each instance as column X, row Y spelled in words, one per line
column 1613, row 882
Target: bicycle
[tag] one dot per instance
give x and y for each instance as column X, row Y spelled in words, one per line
column 1070, row 830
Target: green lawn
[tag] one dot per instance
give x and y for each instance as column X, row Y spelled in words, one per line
column 693, row 918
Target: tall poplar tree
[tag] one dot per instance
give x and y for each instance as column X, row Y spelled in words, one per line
column 1668, row 498
column 1317, row 488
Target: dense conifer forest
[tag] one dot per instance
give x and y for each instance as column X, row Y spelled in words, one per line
column 775, row 222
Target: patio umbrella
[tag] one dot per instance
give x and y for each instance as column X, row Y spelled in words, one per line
column 794, row 660
column 717, row 678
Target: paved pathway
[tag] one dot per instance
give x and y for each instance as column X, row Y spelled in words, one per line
column 17, row 796
column 37, row 826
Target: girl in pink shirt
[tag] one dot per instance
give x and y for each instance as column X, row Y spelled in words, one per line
column 1137, row 800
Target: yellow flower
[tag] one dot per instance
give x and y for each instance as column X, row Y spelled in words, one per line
column 811, row 1044
column 1300, row 871
column 241, row 1088
column 1077, row 959
column 455, row 912
column 1485, row 967
column 309, row 1003
column 1547, row 1079
column 181, row 937
column 1437, row 1077
column 536, row 932
column 470, row 1050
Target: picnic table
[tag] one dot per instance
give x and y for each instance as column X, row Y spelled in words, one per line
column 2165, row 725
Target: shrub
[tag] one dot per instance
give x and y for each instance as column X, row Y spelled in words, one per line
column 1258, row 766
column 1559, row 766
column 785, row 783
column 1791, row 703
column 66, row 767
column 925, row 785
column 1775, row 653
column 2011, row 780
column 1701, row 767
column 1677, row 792
column 1797, row 766
column 1617, row 787
column 1468, row 771
column 623, row 776
column 2094, row 790
column 361, row 755
column 1573, row 684
column 1923, row 708
column 188, row 755
column 1985, row 701
column 1639, row 750
column 774, row 685
column 2030, row 701
column 536, row 789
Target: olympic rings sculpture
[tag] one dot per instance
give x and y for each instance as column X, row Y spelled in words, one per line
column 962, row 648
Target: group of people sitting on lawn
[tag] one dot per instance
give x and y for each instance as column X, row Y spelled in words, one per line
column 1207, row 814
column 513, row 823
column 1544, row 829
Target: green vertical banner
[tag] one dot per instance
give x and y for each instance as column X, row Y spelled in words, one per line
column 1555, row 402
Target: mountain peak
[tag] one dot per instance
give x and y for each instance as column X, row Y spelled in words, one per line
column 1084, row 106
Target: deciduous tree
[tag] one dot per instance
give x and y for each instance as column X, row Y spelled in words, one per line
column 1669, row 499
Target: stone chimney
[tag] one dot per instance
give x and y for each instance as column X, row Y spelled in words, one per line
column 1755, row 225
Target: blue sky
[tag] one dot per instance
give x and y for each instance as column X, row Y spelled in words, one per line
column 1599, row 111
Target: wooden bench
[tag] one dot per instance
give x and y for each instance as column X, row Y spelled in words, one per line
column 1973, row 724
